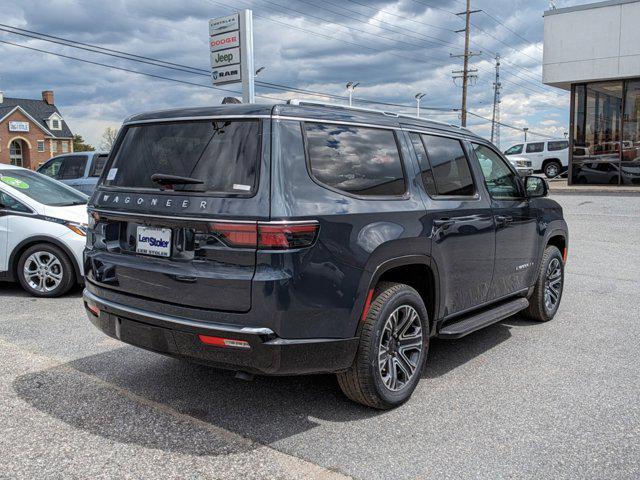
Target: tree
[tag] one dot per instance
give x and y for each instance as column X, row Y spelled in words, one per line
column 108, row 138
column 80, row 146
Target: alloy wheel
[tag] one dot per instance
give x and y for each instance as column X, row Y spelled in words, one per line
column 43, row 271
column 400, row 348
column 552, row 285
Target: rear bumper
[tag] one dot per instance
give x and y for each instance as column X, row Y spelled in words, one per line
column 179, row 337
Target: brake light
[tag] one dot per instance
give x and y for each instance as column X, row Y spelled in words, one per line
column 266, row 235
column 284, row 235
column 223, row 342
column 236, row 234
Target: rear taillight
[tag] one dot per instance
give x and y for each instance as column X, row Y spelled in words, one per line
column 285, row 235
column 266, row 235
column 236, row 234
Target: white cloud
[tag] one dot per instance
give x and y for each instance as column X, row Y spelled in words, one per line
column 405, row 51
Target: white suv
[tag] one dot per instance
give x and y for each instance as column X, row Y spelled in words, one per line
column 550, row 157
column 42, row 232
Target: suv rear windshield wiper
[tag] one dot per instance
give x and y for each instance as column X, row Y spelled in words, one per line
column 167, row 180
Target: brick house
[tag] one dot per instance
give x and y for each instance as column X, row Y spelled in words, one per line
column 32, row 131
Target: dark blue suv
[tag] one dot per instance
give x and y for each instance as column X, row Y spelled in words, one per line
column 303, row 238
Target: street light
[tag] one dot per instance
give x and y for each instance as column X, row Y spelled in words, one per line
column 525, row 130
column 350, row 88
column 418, row 98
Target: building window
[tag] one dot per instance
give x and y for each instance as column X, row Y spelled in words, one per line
column 597, row 133
column 54, row 146
column 41, row 145
column 65, row 147
column 55, row 124
column 15, row 153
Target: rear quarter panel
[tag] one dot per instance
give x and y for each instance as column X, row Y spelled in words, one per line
column 321, row 287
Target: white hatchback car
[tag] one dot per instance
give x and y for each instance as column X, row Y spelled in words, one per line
column 42, row 232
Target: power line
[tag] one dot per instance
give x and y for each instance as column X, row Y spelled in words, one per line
column 287, row 10
column 128, row 70
column 510, row 29
column 181, row 68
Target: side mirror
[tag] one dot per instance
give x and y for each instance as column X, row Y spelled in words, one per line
column 536, row 187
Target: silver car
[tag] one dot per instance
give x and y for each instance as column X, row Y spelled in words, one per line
column 79, row 170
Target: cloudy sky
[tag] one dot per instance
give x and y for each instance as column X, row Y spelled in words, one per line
column 393, row 48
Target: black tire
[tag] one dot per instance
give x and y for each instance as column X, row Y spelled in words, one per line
column 552, row 169
column 364, row 382
column 60, row 266
column 539, row 309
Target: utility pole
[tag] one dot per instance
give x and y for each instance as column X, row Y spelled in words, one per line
column 525, row 130
column 465, row 73
column 495, row 121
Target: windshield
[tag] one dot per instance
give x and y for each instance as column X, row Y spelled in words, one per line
column 222, row 154
column 42, row 189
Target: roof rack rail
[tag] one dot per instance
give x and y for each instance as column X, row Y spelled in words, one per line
column 297, row 101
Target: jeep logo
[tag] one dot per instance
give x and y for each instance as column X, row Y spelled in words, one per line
column 226, row 58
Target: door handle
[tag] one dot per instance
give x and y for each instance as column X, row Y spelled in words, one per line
column 503, row 220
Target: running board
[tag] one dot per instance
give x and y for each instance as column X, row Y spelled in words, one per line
column 467, row 325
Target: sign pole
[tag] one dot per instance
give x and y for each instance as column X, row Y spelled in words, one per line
column 247, row 65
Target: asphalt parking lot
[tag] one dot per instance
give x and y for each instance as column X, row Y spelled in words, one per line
column 516, row 400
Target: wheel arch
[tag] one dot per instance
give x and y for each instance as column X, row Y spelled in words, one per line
column 28, row 242
column 417, row 271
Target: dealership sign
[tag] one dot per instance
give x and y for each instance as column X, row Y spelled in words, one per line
column 226, row 50
column 231, row 51
column 18, row 126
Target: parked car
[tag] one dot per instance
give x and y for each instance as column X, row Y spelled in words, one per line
column 550, row 157
column 79, row 170
column 42, row 232
column 521, row 164
column 303, row 238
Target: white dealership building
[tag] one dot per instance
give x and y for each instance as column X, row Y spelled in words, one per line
column 593, row 51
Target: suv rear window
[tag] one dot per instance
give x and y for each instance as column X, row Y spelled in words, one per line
column 221, row 153
column 535, row 147
column 98, row 165
column 357, row 160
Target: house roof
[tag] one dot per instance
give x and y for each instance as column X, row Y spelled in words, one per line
column 39, row 110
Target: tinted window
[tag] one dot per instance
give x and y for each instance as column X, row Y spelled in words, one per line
column 98, row 165
column 51, row 168
column 501, row 181
column 9, row 203
column 73, row 167
column 42, row 189
column 223, row 154
column 560, row 145
column 450, row 167
column 361, row 161
column 515, row 150
column 535, row 147
column 425, row 166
